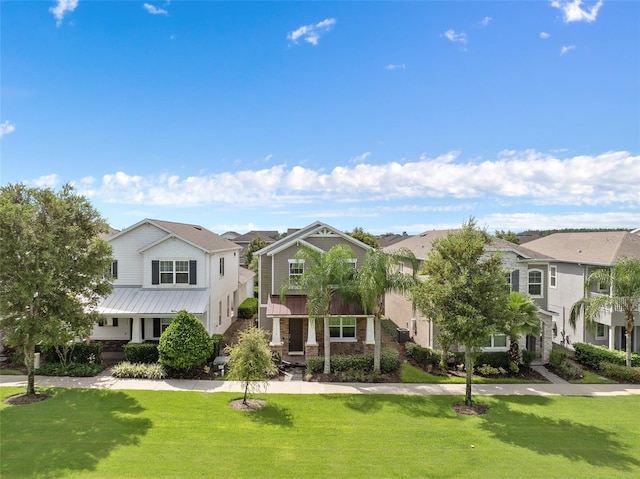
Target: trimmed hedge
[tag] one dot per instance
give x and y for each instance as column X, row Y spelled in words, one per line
column 70, row 369
column 424, row 357
column 79, row 353
column 145, row 353
column 591, row 356
column 185, row 343
column 360, row 362
column 623, row 374
column 495, row 359
column 248, row 308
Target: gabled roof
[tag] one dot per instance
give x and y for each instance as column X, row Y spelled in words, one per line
column 267, row 236
column 420, row 245
column 194, row 234
column 598, row 247
column 301, row 234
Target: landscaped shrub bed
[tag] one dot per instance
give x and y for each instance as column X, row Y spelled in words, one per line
column 83, row 353
column 217, row 345
column 624, row 374
column 341, row 363
column 423, row 357
column 127, row 369
column 591, row 356
column 146, row 353
column 70, row 369
column 560, row 364
column 248, row 308
column 495, row 359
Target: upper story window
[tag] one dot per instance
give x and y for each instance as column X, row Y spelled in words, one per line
column 535, row 283
column 222, row 266
column 174, row 272
column 553, row 277
column 114, row 269
column 400, row 267
column 296, row 269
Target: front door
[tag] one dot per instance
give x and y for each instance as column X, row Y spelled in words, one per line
column 296, row 340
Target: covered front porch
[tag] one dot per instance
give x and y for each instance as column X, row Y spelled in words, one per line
column 295, row 334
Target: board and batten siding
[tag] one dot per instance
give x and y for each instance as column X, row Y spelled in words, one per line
column 171, row 250
column 126, row 251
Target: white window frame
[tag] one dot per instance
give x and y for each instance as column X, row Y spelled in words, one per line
column 222, row 266
column 299, row 271
column 509, row 276
column 400, row 267
column 553, row 277
column 604, row 334
column 492, row 343
column 220, row 313
column 342, row 338
column 541, row 283
column 178, row 271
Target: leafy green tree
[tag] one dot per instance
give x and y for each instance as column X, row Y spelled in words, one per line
column 624, row 283
column 250, row 360
column 255, row 244
column 53, row 268
column 185, row 343
column 522, row 318
column 367, row 238
column 509, row 236
column 379, row 275
column 326, row 275
column 464, row 291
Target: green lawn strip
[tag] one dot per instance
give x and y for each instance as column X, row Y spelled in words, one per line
column 412, row 374
column 10, row 372
column 131, row 434
column 592, row 378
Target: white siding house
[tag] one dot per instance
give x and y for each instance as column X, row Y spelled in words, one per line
column 162, row 267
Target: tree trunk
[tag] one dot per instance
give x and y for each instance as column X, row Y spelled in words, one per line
column 468, row 365
column 29, row 351
column 327, row 346
column 628, row 330
column 514, row 354
column 377, row 348
column 246, row 391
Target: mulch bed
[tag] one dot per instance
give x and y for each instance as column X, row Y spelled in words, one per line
column 23, row 399
column 476, row 409
column 252, row 404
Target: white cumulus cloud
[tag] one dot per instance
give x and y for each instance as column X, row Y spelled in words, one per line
column 485, row 21
column 455, row 37
column 6, row 127
column 574, row 12
column 61, row 8
column 395, row 66
column 545, row 35
column 311, row 33
column 154, row 10
column 566, row 49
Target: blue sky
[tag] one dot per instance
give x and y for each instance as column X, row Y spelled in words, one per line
column 391, row 116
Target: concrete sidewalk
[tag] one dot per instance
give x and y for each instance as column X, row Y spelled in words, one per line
column 302, row 387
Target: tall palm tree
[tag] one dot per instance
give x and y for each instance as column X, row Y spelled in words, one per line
column 326, row 275
column 379, row 275
column 624, row 283
column 522, row 318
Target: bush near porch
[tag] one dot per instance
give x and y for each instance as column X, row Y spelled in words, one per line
column 592, row 356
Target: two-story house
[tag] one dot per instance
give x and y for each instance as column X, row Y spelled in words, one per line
column 525, row 271
column 162, row 267
column 571, row 258
column 292, row 331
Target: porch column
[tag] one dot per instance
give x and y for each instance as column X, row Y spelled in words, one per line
column 370, row 339
column 311, row 333
column 136, row 330
column 612, row 338
column 276, row 340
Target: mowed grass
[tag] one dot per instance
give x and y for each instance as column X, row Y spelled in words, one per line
column 412, row 374
column 150, row 434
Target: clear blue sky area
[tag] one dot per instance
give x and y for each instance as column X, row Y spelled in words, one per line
column 391, row 116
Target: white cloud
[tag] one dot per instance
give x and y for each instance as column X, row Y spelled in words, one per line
column 61, row 9
column 6, row 128
column 566, row 49
column 545, row 35
column 360, row 158
column 395, row 66
column 485, row 21
column 154, row 10
column 311, row 33
column 574, row 12
column 455, row 37
column 529, row 176
column 47, row 181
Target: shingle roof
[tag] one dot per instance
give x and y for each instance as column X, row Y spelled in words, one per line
column 601, row 247
column 197, row 235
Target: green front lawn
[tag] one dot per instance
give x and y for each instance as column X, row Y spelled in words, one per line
column 412, row 374
column 129, row 434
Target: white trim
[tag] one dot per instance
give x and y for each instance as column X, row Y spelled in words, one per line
column 604, row 334
column 532, row 270
column 553, row 276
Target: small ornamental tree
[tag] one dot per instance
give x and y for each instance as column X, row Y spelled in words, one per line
column 185, row 343
column 250, row 360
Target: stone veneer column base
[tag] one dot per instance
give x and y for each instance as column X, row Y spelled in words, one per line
column 311, row 349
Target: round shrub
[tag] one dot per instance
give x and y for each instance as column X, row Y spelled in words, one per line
column 185, row 343
column 248, row 308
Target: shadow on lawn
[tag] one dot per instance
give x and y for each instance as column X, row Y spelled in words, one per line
column 69, row 432
column 272, row 414
column 552, row 436
column 411, row 405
